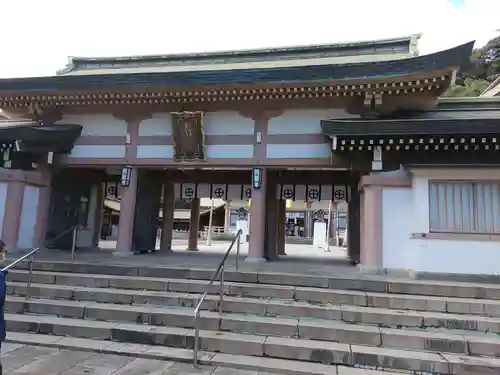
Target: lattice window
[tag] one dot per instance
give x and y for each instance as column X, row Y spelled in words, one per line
column 464, row 207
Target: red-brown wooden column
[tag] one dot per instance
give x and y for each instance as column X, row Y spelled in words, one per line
column 258, row 211
column 258, row 222
column 12, row 214
column 194, row 225
column 272, row 219
column 43, row 207
column 127, row 214
column 168, row 216
column 281, row 227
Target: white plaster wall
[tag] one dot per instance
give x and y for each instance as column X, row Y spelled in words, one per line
column 406, row 211
column 97, row 151
column 28, row 217
column 155, row 151
column 3, row 197
column 212, row 151
column 229, row 151
column 304, row 121
column 158, row 124
column 227, row 123
column 98, row 124
column 285, row 151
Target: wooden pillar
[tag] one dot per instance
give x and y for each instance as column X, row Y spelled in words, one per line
column 354, row 222
column 12, row 214
column 227, row 217
column 271, row 217
column 258, row 222
column 128, row 197
column 194, row 225
column 42, row 210
column 281, row 227
column 168, row 209
column 308, row 222
column 98, row 214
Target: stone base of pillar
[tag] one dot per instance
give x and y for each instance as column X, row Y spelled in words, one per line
column 165, row 251
column 272, row 257
column 192, row 250
column 255, row 260
column 122, row 254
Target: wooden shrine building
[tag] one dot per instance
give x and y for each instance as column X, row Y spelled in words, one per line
column 358, row 122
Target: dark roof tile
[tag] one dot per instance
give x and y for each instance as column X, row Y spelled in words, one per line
column 449, row 58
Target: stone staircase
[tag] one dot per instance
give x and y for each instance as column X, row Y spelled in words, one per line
column 274, row 323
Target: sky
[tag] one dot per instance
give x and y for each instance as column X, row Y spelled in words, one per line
column 39, row 36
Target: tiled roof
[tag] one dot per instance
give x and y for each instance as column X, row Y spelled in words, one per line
column 452, row 116
column 453, row 57
column 406, row 45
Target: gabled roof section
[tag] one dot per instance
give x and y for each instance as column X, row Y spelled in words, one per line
column 348, row 52
column 451, row 116
column 61, row 137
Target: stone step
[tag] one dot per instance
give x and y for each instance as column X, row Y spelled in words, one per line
column 487, row 307
column 180, row 319
column 368, row 283
column 299, row 312
column 265, row 305
column 239, row 344
column 267, row 365
column 102, row 303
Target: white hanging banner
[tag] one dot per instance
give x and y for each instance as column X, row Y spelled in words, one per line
column 340, row 193
column 218, row 191
column 313, row 193
column 246, row 192
column 234, row 192
column 285, row 192
column 185, row 191
column 203, row 190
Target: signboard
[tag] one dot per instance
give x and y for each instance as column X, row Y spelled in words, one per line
column 319, row 234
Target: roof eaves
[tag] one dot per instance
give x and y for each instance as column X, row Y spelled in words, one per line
column 451, row 58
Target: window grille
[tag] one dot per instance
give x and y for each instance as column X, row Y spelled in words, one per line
column 464, row 207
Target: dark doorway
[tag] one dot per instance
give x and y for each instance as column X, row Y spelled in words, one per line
column 147, row 209
column 69, row 206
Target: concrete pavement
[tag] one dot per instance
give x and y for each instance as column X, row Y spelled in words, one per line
column 20, row 359
column 301, row 259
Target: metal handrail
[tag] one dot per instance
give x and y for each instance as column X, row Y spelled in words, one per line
column 33, row 252
column 218, row 271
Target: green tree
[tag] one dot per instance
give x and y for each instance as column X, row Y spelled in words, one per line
column 471, row 87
